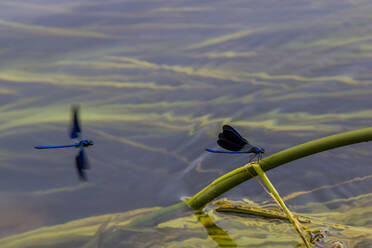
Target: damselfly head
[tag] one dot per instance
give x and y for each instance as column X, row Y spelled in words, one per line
column 261, row 150
column 257, row 150
column 86, row 143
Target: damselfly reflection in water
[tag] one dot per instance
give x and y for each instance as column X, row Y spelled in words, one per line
column 232, row 141
column 81, row 161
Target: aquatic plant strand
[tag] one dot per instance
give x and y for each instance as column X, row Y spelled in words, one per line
column 277, row 197
column 237, row 176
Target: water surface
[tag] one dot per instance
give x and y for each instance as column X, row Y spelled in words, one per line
column 156, row 80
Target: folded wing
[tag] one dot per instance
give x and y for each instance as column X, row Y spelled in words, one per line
column 231, row 140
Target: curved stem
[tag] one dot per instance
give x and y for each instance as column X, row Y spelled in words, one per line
column 236, row 177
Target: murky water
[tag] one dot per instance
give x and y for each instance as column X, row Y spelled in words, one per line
column 156, row 80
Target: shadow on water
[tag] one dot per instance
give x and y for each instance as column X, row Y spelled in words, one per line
column 220, row 236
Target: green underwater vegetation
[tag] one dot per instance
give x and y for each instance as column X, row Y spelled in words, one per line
column 226, row 223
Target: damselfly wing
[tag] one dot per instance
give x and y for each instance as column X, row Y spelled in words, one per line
column 82, row 164
column 230, row 139
column 75, row 129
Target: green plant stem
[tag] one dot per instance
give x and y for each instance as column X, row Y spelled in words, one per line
column 277, row 197
column 236, row 177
